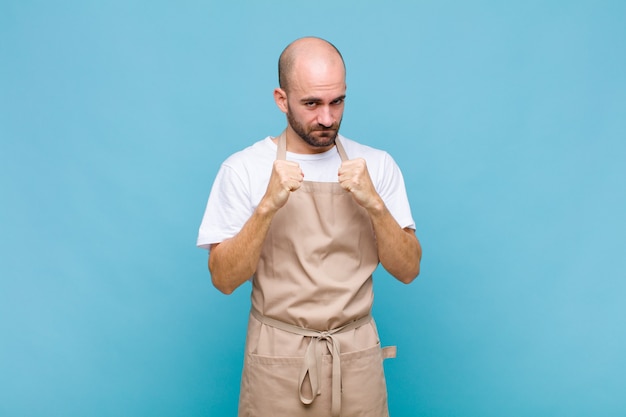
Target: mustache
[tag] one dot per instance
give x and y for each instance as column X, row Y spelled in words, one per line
column 326, row 132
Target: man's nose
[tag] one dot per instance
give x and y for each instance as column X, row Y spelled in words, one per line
column 325, row 117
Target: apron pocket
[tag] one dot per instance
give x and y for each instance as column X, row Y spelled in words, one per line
column 269, row 387
column 364, row 387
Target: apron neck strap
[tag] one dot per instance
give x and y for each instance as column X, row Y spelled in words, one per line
column 281, row 151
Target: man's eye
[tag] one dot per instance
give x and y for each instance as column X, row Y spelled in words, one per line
column 310, row 104
column 338, row 101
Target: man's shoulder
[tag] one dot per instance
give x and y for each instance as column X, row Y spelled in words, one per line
column 256, row 153
column 356, row 149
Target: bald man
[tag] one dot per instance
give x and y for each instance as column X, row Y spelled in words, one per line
column 307, row 216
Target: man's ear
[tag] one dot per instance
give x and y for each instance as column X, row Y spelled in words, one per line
column 280, row 97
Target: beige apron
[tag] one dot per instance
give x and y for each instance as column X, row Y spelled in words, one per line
column 312, row 348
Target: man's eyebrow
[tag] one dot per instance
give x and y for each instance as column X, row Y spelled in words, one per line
column 319, row 100
column 310, row 100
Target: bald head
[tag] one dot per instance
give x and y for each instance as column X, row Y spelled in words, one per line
column 304, row 52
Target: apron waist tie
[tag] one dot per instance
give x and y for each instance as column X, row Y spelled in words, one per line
column 312, row 365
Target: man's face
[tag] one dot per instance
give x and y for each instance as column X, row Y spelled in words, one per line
column 312, row 132
column 315, row 103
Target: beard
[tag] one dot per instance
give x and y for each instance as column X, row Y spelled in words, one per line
column 319, row 137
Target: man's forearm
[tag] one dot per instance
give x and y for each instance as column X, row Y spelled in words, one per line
column 233, row 261
column 399, row 250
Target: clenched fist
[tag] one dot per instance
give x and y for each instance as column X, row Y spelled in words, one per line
column 286, row 178
column 355, row 178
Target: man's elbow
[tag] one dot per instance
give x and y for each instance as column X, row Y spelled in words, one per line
column 412, row 261
column 223, row 285
column 410, row 276
column 224, row 288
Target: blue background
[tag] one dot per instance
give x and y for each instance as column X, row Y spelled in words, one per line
column 508, row 120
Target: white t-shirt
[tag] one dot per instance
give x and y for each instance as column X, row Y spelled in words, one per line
column 242, row 181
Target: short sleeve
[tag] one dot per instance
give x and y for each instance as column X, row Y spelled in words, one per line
column 227, row 209
column 392, row 190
